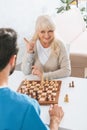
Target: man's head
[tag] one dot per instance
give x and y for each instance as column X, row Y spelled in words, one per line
column 8, row 47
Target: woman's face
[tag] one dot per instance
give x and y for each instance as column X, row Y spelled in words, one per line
column 46, row 36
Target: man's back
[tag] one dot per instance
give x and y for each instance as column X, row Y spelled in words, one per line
column 19, row 112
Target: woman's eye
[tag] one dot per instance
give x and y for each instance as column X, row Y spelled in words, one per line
column 42, row 31
column 50, row 31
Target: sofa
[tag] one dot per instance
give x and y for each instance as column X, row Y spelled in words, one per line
column 71, row 29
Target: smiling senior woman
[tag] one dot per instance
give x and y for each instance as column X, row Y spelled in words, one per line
column 45, row 54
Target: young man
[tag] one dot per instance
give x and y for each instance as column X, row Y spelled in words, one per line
column 18, row 111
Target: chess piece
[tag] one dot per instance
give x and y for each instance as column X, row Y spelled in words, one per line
column 42, row 81
column 66, row 99
column 72, row 83
column 47, row 80
column 47, row 98
column 36, row 95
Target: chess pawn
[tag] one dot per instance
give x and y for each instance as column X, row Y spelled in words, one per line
column 47, row 80
column 66, row 99
column 72, row 83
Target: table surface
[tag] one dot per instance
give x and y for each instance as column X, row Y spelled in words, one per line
column 75, row 111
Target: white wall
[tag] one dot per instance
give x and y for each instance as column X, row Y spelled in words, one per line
column 21, row 15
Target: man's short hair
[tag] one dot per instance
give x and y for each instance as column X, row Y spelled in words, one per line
column 8, row 46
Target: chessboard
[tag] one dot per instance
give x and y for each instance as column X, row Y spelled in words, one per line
column 46, row 92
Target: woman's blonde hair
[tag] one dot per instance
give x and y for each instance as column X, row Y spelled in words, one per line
column 44, row 22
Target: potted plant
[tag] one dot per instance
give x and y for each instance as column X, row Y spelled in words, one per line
column 84, row 13
column 65, row 6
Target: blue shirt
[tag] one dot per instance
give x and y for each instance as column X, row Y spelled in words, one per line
column 19, row 112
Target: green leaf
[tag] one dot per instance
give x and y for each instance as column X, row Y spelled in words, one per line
column 60, row 9
column 63, row 1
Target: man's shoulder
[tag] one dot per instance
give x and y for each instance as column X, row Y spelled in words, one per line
column 21, row 99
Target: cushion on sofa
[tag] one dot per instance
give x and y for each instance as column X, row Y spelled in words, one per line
column 78, row 60
column 78, row 64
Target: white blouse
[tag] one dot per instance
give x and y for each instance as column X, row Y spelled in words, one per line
column 43, row 53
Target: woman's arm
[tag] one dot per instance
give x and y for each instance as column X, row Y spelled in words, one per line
column 27, row 63
column 64, row 69
column 28, row 59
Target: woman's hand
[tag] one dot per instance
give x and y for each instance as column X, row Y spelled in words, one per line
column 37, row 71
column 29, row 45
